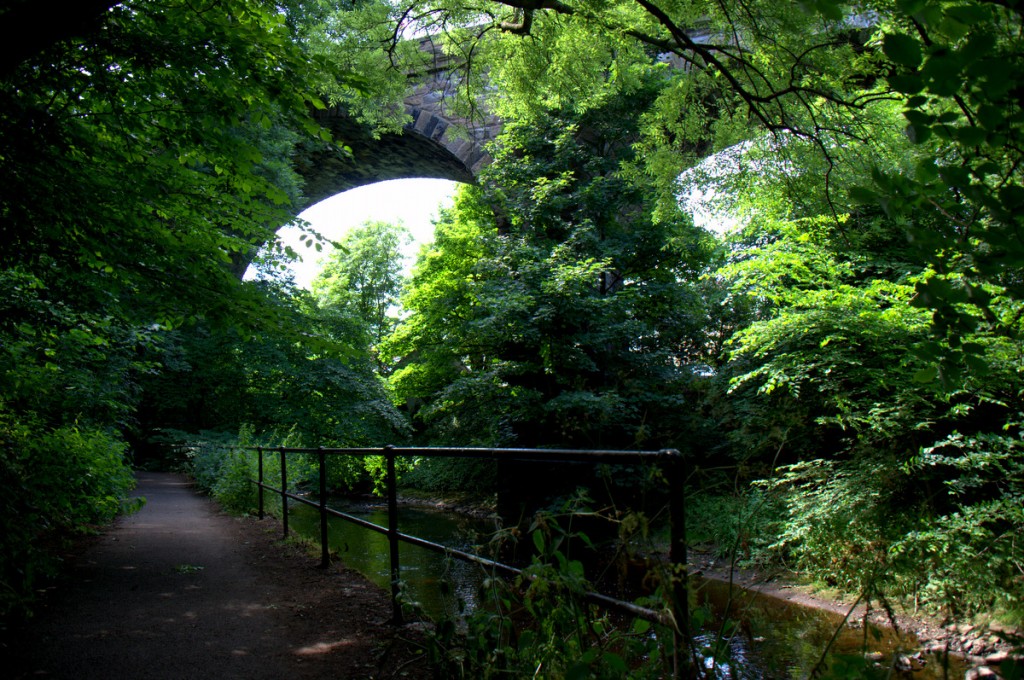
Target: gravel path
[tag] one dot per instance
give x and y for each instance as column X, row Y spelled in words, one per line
column 182, row 590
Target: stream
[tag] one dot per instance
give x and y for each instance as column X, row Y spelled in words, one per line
column 422, row 570
column 773, row 639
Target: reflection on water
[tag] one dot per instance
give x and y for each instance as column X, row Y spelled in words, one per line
column 763, row 637
column 422, row 571
column 771, row 638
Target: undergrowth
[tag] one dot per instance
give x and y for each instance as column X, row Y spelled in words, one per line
column 56, row 484
column 540, row 624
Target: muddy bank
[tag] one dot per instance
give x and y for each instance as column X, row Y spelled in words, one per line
column 467, row 506
column 983, row 648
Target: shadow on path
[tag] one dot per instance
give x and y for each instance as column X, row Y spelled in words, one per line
column 181, row 590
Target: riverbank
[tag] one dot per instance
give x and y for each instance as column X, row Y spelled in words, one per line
column 984, row 648
column 981, row 648
column 464, row 504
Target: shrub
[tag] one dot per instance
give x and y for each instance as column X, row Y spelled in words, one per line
column 444, row 475
column 865, row 527
column 54, row 485
column 539, row 622
column 969, row 559
column 740, row 526
column 225, row 465
column 222, row 467
column 837, row 524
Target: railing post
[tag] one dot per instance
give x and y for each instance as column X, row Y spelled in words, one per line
column 325, row 556
column 676, row 475
column 259, row 488
column 396, row 607
column 284, row 492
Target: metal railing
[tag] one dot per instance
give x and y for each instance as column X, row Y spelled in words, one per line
column 676, row 616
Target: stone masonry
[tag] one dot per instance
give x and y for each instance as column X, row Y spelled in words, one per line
column 434, row 144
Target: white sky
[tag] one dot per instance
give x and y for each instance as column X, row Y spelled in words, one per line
column 413, row 202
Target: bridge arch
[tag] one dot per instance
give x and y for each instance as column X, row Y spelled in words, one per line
column 415, row 203
column 432, row 145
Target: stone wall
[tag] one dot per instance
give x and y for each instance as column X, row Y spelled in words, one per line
column 436, row 143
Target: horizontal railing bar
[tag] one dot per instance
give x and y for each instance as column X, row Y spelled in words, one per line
column 596, row 598
column 330, row 511
column 455, row 552
column 629, row 608
column 303, row 500
column 294, row 497
column 366, row 524
column 533, row 455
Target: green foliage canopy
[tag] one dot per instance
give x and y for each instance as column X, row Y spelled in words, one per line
column 364, row 277
column 144, row 154
column 546, row 311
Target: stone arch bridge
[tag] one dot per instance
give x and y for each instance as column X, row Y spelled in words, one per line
column 434, row 144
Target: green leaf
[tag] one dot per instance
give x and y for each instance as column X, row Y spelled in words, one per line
column 927, row 170
column 906, row 83
column 911, row 7
column 927, row 375
column 969, row 14
column 578, row 671
column 917, row 117
column 864, row 195
column 918, row 134
column 830, row 9
column 969, row 135
column 977, row 364
column 1012, row 196
column 538, row 541
column 616, row 663
column 902, row 49
column 943, row 73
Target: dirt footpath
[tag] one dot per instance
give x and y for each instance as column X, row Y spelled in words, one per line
column 182, row 590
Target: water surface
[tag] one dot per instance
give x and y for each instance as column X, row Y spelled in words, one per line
column 422, row 570
column 766, row 637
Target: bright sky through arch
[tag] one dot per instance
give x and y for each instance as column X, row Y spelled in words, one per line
column 413, row 202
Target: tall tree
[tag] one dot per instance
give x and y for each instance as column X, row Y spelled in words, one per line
column 143, row 152
column 364, row 278
column 813, row 74
column 569, row 326
column 890, row 469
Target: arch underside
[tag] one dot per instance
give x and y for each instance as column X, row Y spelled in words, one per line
column 427, row 148
column 422, row 150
